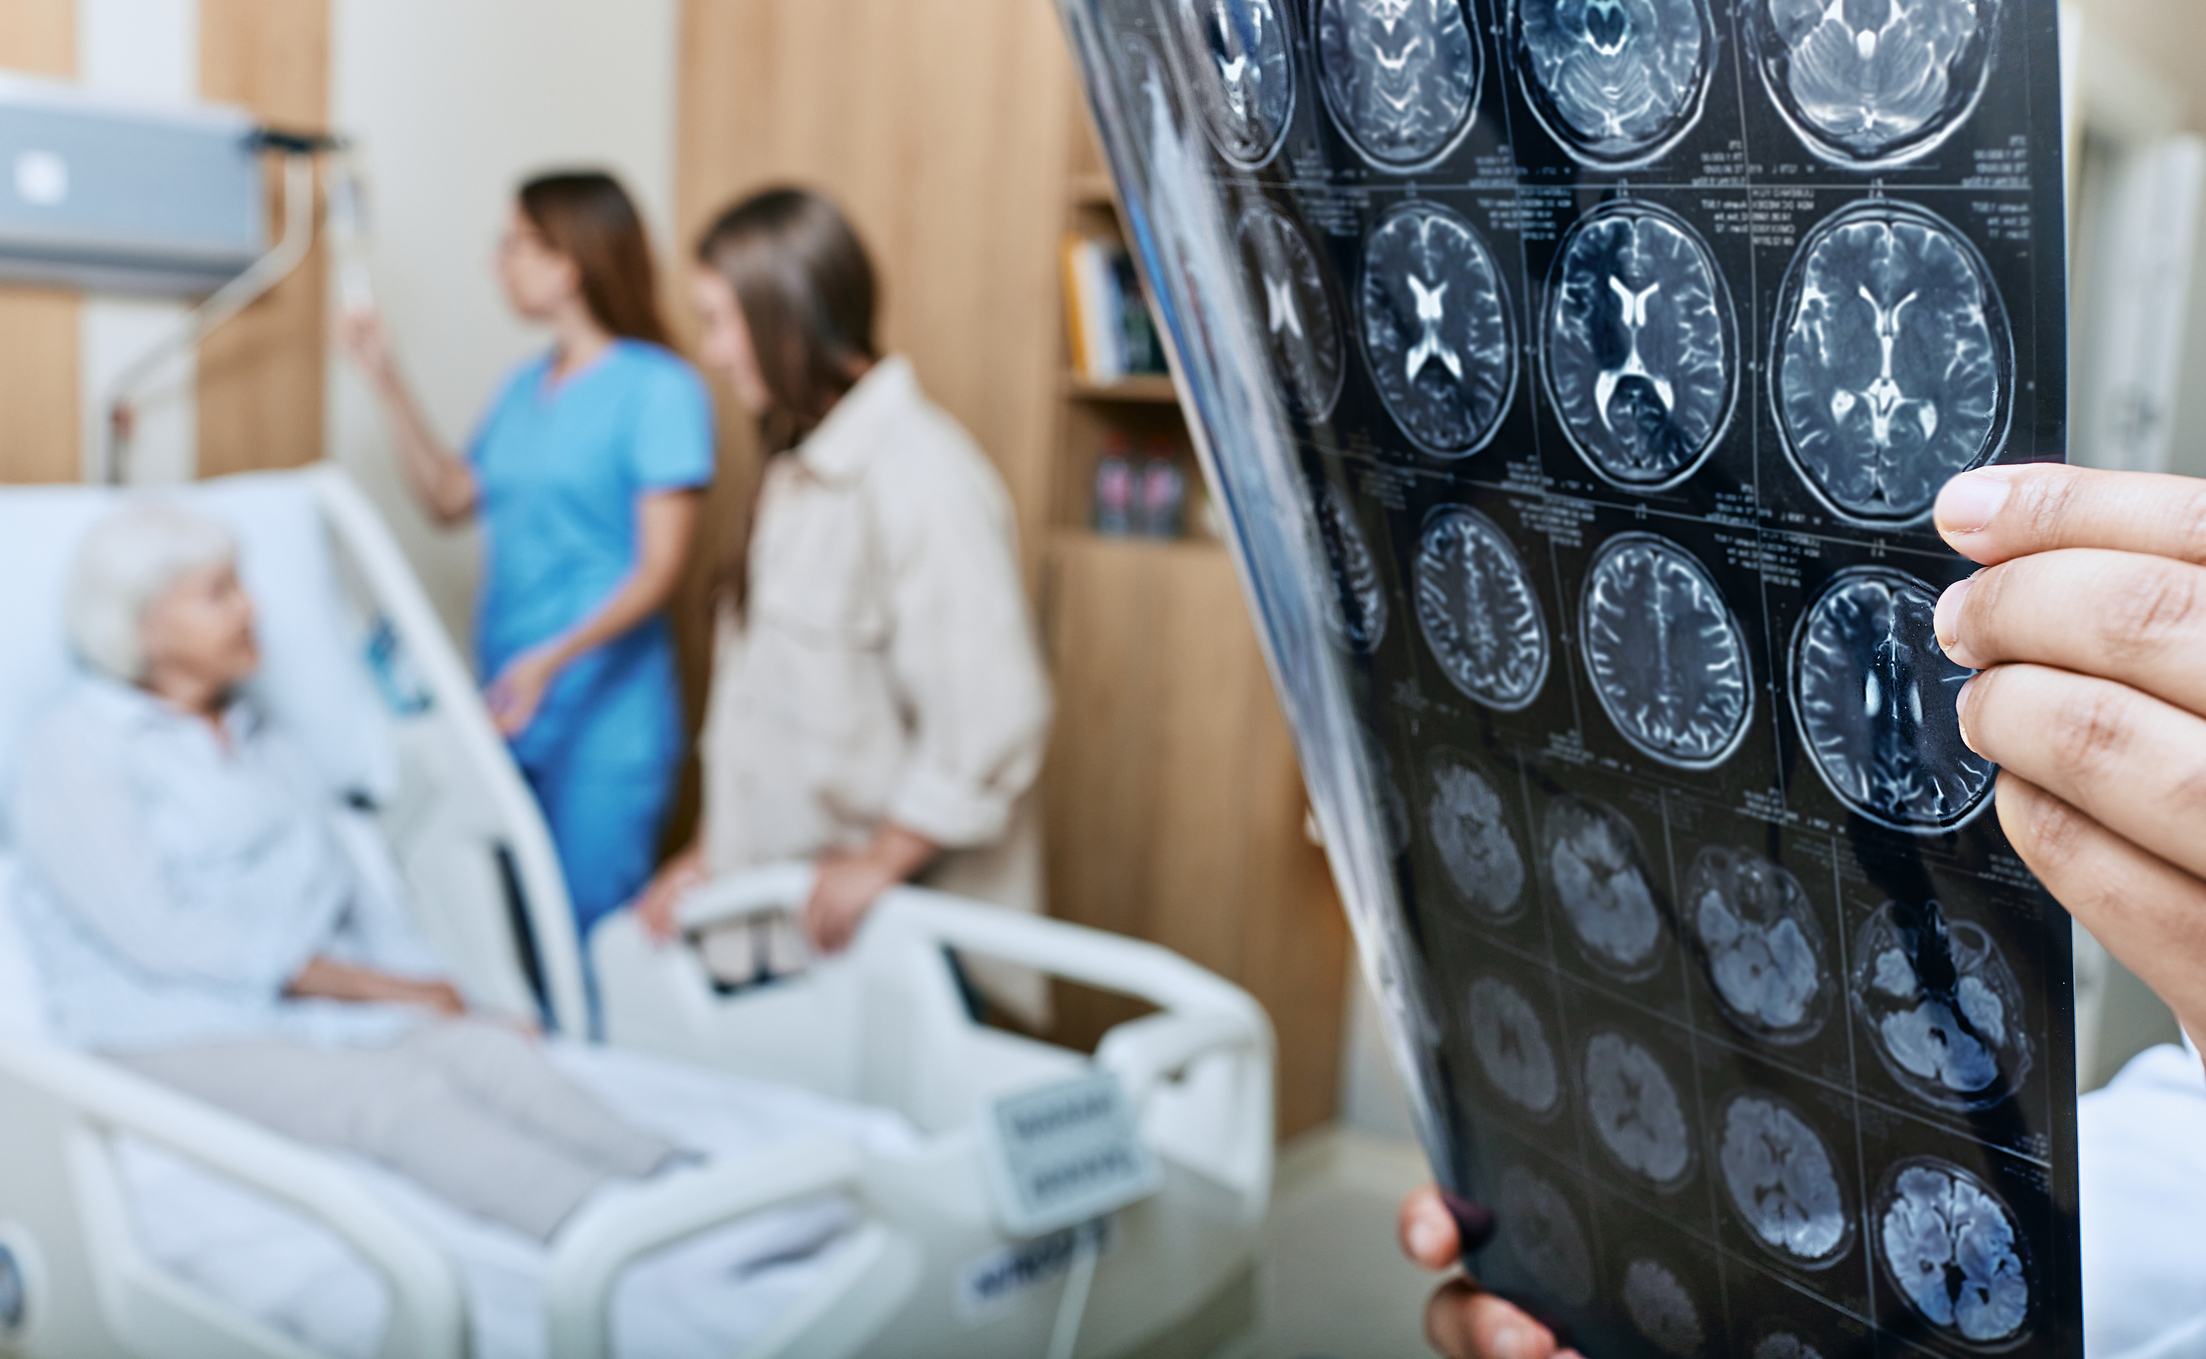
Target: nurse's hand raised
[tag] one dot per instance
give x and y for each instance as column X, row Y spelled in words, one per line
column 519, row 689
column 2089, row 625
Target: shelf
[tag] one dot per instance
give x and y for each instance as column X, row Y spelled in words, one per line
column 1093, row 189
column 1080, row 539
column 1154, row 388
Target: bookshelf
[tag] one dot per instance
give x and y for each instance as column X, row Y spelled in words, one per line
column 1175, row 807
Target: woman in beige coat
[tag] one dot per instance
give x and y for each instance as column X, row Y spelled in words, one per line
column 878, row 701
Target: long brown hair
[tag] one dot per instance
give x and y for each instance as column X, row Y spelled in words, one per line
column 587, row 216
column 806, row 289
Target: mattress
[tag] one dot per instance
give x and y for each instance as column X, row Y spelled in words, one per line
column 706, row 1296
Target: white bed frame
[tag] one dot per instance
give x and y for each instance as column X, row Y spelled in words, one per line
column 884, row 1024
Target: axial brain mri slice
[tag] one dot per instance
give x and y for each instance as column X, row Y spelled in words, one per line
column 1874, row 697
column 1781, row 1179
column 1641, row 362
column 1942, row 1007
column 1953, row 1249
column 1355, row 608
column 1660, row 1308
column 1599, row 875
column 1784, row 1345
column 1470, row 832
column 1478, row 611
column 1894, row 363
column 1635, row 1110
column 1512, row 1047
column 1759, row 943
column 1242, row 68
column 1541, row 1229
column 1874, row 83
column 1400, row 77
column 1287, row 289
column 1437, row 329
column 1667, row 659
column 1615, row 82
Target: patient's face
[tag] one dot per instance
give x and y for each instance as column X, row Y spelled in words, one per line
column 201, row 630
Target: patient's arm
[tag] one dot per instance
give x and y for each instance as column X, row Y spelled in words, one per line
column 327, row 979
column 80, row 827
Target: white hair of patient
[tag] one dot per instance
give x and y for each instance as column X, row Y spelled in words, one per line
column 127, row 561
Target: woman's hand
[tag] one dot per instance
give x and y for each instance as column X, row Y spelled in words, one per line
column 2089, row 625
column 657, row 909
column 518, row 691
column 362, row 337
column 847, row 883
column 1464, row 1321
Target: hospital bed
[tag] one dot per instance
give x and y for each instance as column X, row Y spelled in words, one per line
column 843, row 1208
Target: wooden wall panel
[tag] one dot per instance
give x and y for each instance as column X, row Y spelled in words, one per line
column 39, row 421
column 1175, row 806
column 261, row 374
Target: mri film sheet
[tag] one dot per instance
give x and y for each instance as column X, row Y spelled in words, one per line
column 1577, row 377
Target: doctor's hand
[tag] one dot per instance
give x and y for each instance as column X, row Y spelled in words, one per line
column 1463, row 1321
column 518, row 691
column 2089, row 625
column 846, row 883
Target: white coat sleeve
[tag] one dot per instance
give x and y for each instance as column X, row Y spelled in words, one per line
column 962, row 653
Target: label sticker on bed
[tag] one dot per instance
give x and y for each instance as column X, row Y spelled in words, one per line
column 1064, row 1153
column 994, row 1279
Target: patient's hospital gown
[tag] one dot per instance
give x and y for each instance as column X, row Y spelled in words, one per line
column 184, row 889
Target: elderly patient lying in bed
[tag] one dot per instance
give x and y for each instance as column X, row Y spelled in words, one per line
column 202, row 924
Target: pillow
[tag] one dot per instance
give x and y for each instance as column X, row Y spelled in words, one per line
column 313, row 679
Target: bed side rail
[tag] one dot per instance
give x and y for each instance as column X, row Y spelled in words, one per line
column 57, row 1097
column 542, row 890
column 1200, row 1016
column 591, row 1251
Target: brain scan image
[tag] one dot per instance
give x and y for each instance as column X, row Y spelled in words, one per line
column 1874, row 697
column 1538, row 1225
column 1242, row 67
column 1356, row 608
column 1287, row 289
column 1894, row 363
column 1943, row 1009
column 1784, row 1345
column 1469, row 825
column 1873, row 83
column 1599, row 875
column 1437, row 328
column 1954, row 1250
column 1661, row 1309
column 1667, row 659
column 1478, row 612
column 1615, row 82
column 1758, row 941
column 1781, row 1179
column 1400, row 77
column 1512, row 1046
column 1641, row 362
column 1635, row 1110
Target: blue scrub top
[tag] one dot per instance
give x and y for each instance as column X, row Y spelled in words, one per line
column 558, row 469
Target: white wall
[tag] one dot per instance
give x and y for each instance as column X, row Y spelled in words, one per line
column 452, row 106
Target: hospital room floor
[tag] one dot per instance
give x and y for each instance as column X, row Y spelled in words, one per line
column 1333, row 1284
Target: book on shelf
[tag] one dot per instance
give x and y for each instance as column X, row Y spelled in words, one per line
column 1112, row 334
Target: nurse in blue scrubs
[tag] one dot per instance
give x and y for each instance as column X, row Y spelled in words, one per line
column 586, row 473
